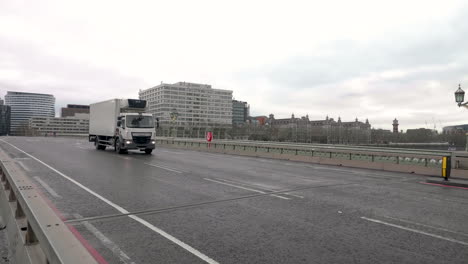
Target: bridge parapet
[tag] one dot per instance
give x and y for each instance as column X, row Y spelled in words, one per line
column 426, row 162
column 35, row 232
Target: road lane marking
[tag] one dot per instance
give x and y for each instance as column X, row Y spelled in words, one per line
column 47, row 187
column 106, row 241
column 245, row 188
column 433, row 227
column 123, row 211
column 22, row 158
column 415, row 231
column 163, row 167
column 255, row 186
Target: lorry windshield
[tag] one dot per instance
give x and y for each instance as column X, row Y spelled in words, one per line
column 137, row 121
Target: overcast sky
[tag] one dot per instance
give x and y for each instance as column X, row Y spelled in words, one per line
column 364, row 59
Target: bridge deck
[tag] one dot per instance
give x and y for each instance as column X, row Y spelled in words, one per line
column 181, row 206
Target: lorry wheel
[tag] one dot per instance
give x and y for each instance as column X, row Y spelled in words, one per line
column 118, row 148
column 148, row 151
column 99, row 147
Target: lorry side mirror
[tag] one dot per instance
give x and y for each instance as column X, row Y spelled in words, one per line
column 157, row 122
column 119, row 123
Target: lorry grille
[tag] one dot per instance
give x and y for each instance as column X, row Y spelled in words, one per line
column 141, row 139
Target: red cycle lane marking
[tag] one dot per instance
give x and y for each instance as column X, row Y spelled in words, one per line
column 100, row 259
column 441, row 185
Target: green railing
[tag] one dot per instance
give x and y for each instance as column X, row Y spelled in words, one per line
column 423, row 158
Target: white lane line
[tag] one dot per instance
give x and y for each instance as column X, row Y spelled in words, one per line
column 433, row 227
column 23, row 166
column 245, row 188
column 262, row 188
column 415, row 231
column 47, row 187
column 106, row 241
column 171, row 238
column 163, row 167
column 123, row 211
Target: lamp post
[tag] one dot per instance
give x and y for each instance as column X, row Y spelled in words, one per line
column 459, row 98
column 173, row 115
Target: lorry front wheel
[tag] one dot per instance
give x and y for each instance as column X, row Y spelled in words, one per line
column 148, row 151
column 118, row 147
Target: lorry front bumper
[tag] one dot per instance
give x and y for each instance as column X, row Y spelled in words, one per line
column 129, row 144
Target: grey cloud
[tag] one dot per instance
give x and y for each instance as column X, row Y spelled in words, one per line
column 435, row 44
column 71, row 81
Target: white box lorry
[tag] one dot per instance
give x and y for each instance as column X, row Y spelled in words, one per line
column 122, row 124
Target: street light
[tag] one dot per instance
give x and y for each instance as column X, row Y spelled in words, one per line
column 174, row 116
column 460, row 97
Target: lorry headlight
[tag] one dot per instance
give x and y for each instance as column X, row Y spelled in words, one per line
column 128, row 142
column 153, row 142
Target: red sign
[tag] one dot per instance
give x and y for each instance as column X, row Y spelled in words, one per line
column 209, row 136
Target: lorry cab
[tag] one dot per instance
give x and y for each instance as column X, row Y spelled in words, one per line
column 135, row 131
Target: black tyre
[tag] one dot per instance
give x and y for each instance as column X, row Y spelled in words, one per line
column 98, row 146
column 148, row 151
column 118, row 147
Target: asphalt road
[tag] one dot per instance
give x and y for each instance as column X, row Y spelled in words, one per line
column 181, row 206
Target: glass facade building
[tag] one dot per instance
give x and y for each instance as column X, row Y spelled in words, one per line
column 27, row 105
column 5, row 115
column 240, row 112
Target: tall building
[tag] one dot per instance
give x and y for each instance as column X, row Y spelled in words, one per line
column 395, row 126
column 27, row 105
column 240, row 112
column 189, row 109
column 5, row 116
column 73, row 109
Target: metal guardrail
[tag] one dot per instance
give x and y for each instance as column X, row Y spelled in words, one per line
column 35, row 233
column 422, row 158
column 418, row 161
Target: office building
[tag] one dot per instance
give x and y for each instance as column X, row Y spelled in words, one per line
column 47, row 126
column 27, row 105
column 73, row 109
column 240, row 112
column 190, row 109
column 5, row 116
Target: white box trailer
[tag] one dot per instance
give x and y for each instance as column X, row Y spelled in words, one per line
column 103, row 117
column 122, row 124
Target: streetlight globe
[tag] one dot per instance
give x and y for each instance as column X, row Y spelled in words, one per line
column 459, row 95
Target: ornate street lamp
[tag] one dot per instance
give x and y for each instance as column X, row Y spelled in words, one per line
column 460, row 97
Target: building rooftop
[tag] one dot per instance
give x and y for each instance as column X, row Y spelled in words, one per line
column 13, row 92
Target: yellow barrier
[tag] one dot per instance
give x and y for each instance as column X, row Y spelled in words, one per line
column 446, row 166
